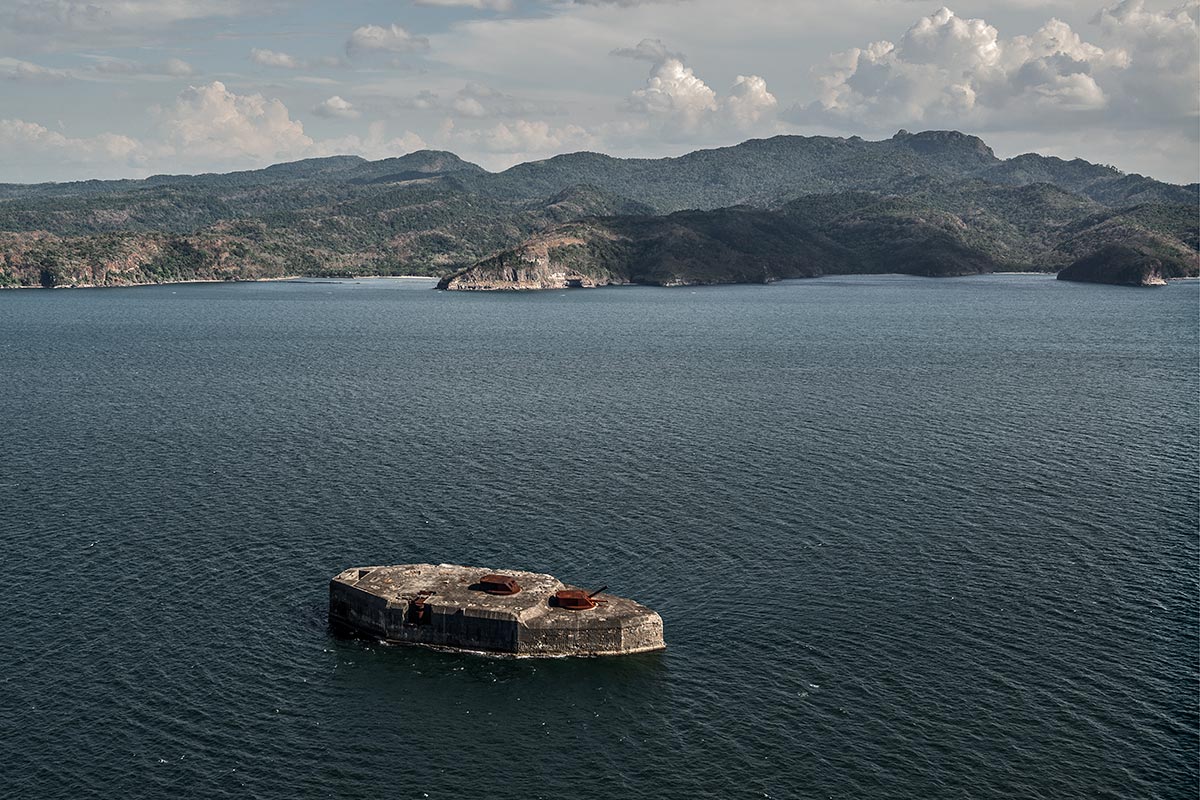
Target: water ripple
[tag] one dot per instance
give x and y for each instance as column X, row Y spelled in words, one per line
column 910, row 538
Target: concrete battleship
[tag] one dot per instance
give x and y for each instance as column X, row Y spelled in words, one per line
column 469, row 608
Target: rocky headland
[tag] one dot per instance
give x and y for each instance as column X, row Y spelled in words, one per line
column 1130, row 265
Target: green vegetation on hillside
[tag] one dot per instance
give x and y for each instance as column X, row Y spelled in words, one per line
column 935, row 202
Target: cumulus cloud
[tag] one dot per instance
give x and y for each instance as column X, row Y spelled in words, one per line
column 949, row 70
column 1163, row 48
column 30, row 135
column 274, row 58
column 212, row 122
column 390, row 39
column 674, row 91
column 208, row 126
column 748, row 101
column 336, row 107
column 22, row 142
column 677, row 103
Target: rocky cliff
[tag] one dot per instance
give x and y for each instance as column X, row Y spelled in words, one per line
column 41, row 259
column 731, row 245
column 561, row 259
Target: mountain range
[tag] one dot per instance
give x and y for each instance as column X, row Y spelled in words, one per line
column 930, row 203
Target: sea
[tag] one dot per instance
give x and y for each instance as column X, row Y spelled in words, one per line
column 910, row 538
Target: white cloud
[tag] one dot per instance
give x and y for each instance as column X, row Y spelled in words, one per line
column 468, row 107
column 524, row 137
column 749, row 102
column 177, row 67
column 211, row 122
column 281, row 60
column 172, row 67
column 207, row 126
column 336, row 107
column 652, row 50
column 946, row 70
column 14, row 69
column 674, row 91
column 1163, row 60
column 376, row 144
column 677, row 104
column 31, row 17
column 390, row 39
column 20, row 133
column 547, row 80
column 23, row 142
column 480, row 100
column 274, row 58
column 490, row 5
column 316, row 80
column 472, row 100
column 424, row 100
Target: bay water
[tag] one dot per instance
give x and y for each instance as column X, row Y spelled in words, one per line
column 911, row 538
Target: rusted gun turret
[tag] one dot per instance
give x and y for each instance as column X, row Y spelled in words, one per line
column 577, row 599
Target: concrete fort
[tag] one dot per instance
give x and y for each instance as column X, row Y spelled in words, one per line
column 505, row 611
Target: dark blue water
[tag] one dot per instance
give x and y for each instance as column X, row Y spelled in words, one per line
column 910, row 538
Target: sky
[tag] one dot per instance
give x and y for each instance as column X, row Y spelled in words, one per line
column 130, row 88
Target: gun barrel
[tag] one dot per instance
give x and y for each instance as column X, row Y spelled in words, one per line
column 598, row 591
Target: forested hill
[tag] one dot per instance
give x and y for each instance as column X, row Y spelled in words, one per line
column 432, row 213
column 979, row 229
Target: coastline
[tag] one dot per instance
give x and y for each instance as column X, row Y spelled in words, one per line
column 280, row 279
column 435, row 279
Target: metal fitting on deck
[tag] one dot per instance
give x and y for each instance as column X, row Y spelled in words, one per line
column 498, row 584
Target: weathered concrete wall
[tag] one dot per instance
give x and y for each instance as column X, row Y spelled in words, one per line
column 596, row 635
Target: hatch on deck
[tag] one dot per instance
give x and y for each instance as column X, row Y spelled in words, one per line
column 498, row 584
